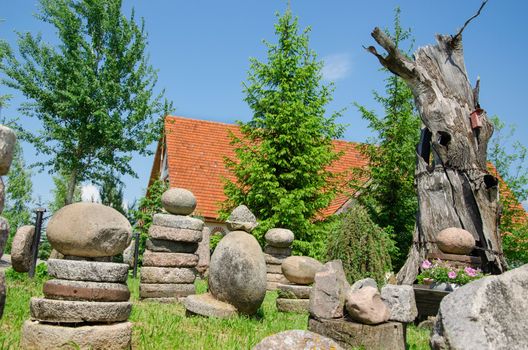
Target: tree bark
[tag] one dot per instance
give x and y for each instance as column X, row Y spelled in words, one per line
column 453, row 184
column 72, row 184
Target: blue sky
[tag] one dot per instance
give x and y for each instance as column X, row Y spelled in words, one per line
column 202, row 49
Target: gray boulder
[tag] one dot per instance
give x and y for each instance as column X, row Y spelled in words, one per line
column 128, row 254
column 241, row 219
column 279, row 237
column 7, row 147
column 89, row 230
column 91, row 271
column 178, row 201
column 204, row 251
column 301, row 269
column 297, row 340
column 366, row 282
column 21, row 248
column 237, row 273
column 365, row 306
column 490, row 313
column 327, row 298
column 4, row 234
column 401, row 302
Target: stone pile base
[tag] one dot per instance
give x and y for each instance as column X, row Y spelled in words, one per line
column 293, row 298
column 274, row 257
column 385, row 336
column 207, row 305
column 86, row 306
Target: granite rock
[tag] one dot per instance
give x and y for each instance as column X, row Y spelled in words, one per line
column 178, row 201
column 297, row 340
column 67, row 311
column 366, row 282
column 365, row 306
column 291, row 291
column 279, row 237
column 85, row 291
column 169, row 259
column 175, row 234
column 401, row 302
column 327, row 298
column 301, row 269
column 21, row 248
column 293, row 305
column 91, row 271
column 166, row 246
column 177, row 221
column 167, row 275
column 455, row 240
column 207, row 305
column 7, row 148
column 241, row 219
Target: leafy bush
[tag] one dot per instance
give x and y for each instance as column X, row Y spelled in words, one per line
column 362, row 246
column 515, row 245
column 441, row 271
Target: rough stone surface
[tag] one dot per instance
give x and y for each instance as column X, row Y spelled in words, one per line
column 178, row 201
column 2, row 195
column 175, row 234
column 4, row 234
column 293, row 305
column 21, row 248
column 365, row 306
column 241, row 219
column 85, row 291
column 297, row 340
column 128, row 254
column 7, row 147
column 401, row 302
column 279, row 237
column 489, row 313
column 274, row 259
column 204, row 251
column 276, row 277
column 169, row 259
column 2, row 292
column 67, row 311
column 454, row 240
column 89, row 229
column 271, row 286
column 270, row 268
column 55, row 255
column 327, row 298
column 237, row 274
column 351, row 335
column 84, row 258
column 40, row 336
column 91, row 271
column 166, row 246
column 177, row 221
column 207, row 305
column 172, row 290
column 167, row 275
column 291, row 291
column 301, row 269
column 366, row 282
column 276, row 251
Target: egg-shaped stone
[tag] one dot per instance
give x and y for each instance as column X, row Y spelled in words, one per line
column 301, row 269
column 237, row 272
column 455, row 240
column 89, row 230
column 279, row 237
column 178, row 201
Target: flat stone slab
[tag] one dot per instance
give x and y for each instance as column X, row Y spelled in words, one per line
column 169, row 259
column 41, row 336
column 155, row 290
column 270, row 268
column 91, row 271
column 2, row 292
column 274, row 259
column 385, row 336
column 293, row 305
column 167, row 300
column 177, row 221
column 167, row 275
column 85, row 291
column 175, row 234
column 276, row 277
column 166, row 246
column 66, row 311
column 294, row 291
column 21, row 248
column 297, row 340
column 207, row 305
column 277, row 251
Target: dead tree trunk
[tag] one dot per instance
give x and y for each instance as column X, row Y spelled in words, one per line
column 453, row 185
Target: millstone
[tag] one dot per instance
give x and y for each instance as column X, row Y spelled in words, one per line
column 21, row 248
column 175, row 234
column 91, row 271
column 207, row 305
column 169, row 259
column 85, row 291
column 167, row 275
column 41, row 336
column 166, row 246
column 277, row 251
column 66, row 311
column 276, row 277
column 177, row 221
column 156, row 290
column 292, row 291
column 274, row 259
column 270, row 268
column 293, row 305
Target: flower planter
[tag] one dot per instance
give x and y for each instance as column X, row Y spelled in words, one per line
column 427, row 300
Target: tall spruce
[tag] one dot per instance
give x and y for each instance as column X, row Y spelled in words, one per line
column 93, row 92
column 390, row 198
column 282, row 159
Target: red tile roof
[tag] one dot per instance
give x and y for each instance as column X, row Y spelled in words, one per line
column 196, row 151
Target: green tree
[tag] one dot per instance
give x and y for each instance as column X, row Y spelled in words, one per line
column 93, row 92
column 60, row 192
column 282, row 159
column 390, row 197
column 111, row 192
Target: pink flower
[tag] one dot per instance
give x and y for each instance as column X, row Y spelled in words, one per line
column 426, row 264
column 471, row 272
column 451, row 274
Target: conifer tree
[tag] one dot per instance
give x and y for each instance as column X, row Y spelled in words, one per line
column 282, row 159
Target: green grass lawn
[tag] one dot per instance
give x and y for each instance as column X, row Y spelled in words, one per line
column 164, row 326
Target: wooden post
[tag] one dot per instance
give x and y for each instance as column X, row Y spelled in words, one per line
column 36, row 240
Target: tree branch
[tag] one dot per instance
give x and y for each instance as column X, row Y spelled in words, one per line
column 457, row 36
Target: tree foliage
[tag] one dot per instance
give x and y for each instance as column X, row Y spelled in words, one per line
column 390, row 197
column 93, row 92
column 111, row 192
column 282, row 159
column 60, row 192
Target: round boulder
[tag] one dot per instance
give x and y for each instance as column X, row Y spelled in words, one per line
column 21, row 248
column 237, row 272
column 455, row 240
column 89, row 230
column 301, row 269
column 279, row 237
column 178, row 201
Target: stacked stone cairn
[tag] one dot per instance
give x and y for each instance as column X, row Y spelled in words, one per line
column 86, row 305
column 277, row 249
column 358, row 315
column 300, row 272
column 7, row 147
column 237, row 272
column 170, row 259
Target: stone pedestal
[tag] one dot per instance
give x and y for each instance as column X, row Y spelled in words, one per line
column 293, row 298
column 350, row 335
column 277, row 249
